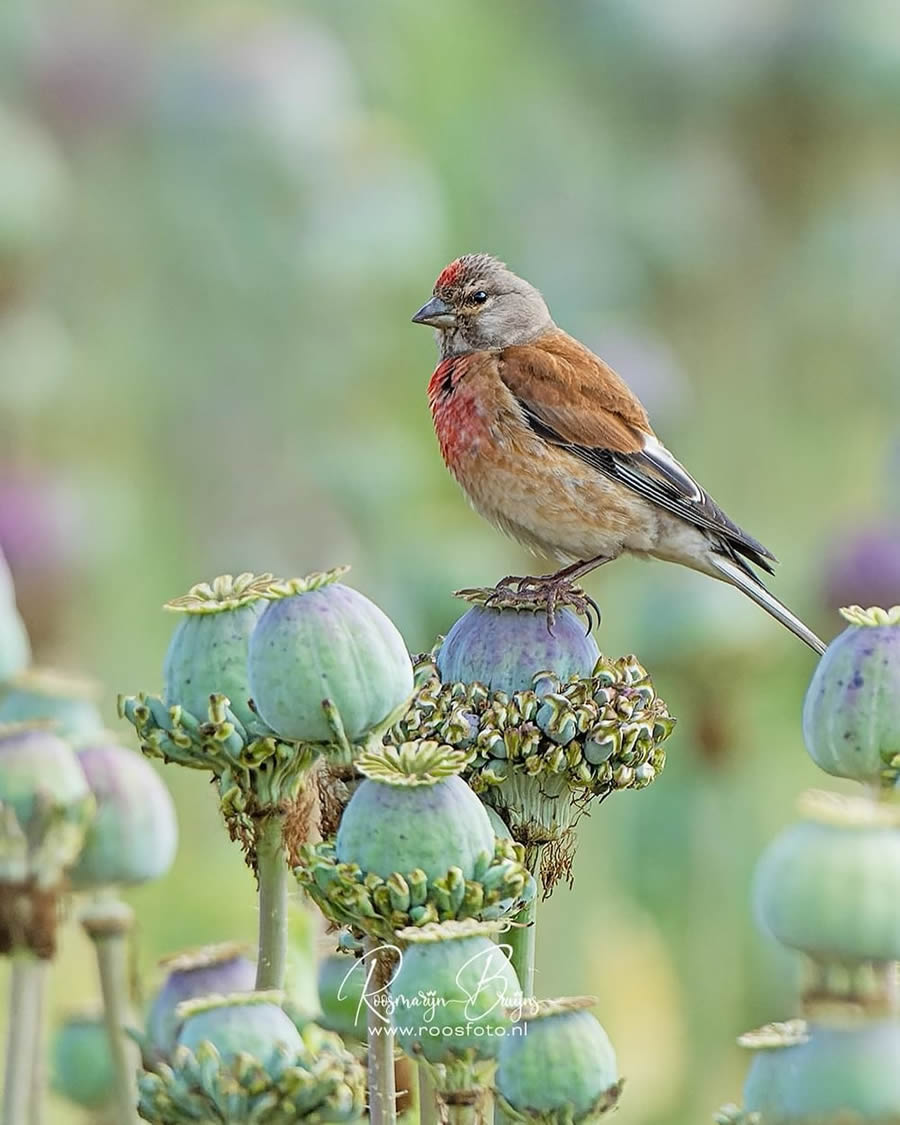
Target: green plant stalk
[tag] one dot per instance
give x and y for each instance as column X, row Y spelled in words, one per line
column 382, row 1094
column 464, row 1093
column 475, row 1112
column 38, row 1069
column 521, row 938
column 24, row 1020
column 112, row 961
column 272, row 874
column 428, row 1107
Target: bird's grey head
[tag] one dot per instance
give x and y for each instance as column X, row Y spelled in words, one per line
column 478, row 304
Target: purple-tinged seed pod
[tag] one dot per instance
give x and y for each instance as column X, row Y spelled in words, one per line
column 251, row 1023
column 504, row 649
column 134, row 834
column 212, row 970
column 851, row 715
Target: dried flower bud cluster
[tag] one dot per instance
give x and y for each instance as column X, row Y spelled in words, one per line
column 370, row 904
column 542, row 754
column 598, row 734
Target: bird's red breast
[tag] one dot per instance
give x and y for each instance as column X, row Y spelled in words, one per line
column 459, row 420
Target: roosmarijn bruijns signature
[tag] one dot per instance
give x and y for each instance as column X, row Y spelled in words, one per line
column 474, row 979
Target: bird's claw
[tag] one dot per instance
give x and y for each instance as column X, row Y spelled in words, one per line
column 548, row 591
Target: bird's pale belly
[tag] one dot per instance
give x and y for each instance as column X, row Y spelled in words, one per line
column 552, row 504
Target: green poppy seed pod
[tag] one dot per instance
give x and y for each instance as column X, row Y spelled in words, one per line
column 557, row 1064
column 824, row 1074
column 207, row 654
column 851, row 715
column 45, row 807
column 81, row 1065
column 15, row 649
column 240, row 1058
column 66, row 701
column 38, row 770
column 213, row 970
column 504, row 649
column 341, row 983
column 134, row 834
column 320, row 642
column 771, row 1065
column 413, row 812
column 251, row 1023
column 449, row 997
column 830, row 884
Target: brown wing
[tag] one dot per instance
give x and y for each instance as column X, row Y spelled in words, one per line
column 572, row 398
column 574, row 393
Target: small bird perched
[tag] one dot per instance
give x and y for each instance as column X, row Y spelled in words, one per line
column 552, row 446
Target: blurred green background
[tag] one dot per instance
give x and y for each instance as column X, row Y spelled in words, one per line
column 216, row 220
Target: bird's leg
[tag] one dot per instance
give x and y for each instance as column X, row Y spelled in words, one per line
column 567, row 574
column 550, row 590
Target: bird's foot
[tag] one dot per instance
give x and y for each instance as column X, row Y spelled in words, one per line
column 546, row 591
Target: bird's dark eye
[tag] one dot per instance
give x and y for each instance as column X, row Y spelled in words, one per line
column 479, row 297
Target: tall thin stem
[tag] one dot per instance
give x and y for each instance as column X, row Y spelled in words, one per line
column 521, row 937
column 107, row 922
column 38, row 1069
column 272, row 873
column 382, row 1094
column 24, row 1003
column 428, row 1106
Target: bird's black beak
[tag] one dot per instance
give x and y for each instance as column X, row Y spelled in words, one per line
column 437, row 313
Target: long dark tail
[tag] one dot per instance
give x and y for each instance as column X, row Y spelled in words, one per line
column 754, row 589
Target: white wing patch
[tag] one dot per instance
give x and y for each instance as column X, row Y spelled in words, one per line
column 668, row 467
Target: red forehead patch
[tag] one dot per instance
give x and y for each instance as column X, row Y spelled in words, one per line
column 449, row 275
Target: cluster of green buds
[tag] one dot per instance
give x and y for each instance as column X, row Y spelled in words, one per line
column 239, row 1058
column 550, row 723
column 211, row 970
column 414, row 846
column 829, row 887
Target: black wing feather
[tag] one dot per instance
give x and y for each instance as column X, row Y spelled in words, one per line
column 656, row 481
